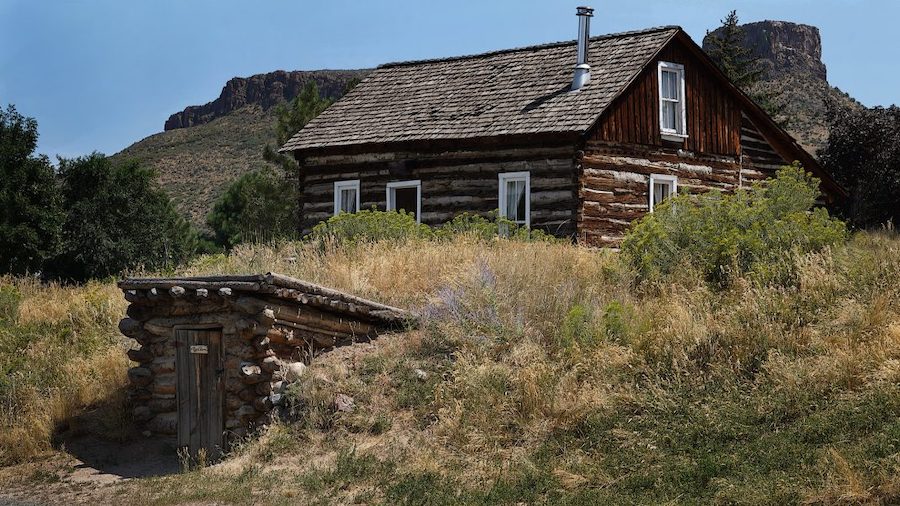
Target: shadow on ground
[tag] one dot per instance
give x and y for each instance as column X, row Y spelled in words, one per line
column 108, row 448
column 106, row 461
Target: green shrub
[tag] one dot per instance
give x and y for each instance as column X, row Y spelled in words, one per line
column 754, row 232
column 615, row 322
column 469, row 224
column 488, row 228
column 117, row 218
column 10, row 298
column 260, row 206
column 370, row 225
column 577, row 328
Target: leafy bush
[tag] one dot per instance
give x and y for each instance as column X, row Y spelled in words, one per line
column 370, row 225
column 489, row 228
column 117, row 219
column 753, row 232
column 577, row 329
column 259, row 206
column 373, row 225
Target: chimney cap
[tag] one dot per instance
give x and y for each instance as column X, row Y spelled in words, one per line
column 585, row 11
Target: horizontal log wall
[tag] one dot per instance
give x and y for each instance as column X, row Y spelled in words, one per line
column 760, row 158
column 452, row 183
column 614, row 185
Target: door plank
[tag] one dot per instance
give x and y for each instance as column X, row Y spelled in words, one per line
column 200, row 390
column 196, row 392
column 183, row 386
column 214, row 390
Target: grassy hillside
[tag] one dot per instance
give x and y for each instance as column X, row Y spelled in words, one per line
column 803, row 102
column 196, row 164
column 541, row 374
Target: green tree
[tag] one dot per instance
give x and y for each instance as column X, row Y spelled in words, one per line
column 260, row 206
column 118, row 219
column 31, row 213
column 726, row 47
column 863, row 154
column 729, row 50
column 291, row 117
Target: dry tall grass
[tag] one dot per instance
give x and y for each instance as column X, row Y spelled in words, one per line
column 543, row 373
column 61, row 353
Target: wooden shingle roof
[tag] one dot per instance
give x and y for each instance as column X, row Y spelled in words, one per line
column 509, row 92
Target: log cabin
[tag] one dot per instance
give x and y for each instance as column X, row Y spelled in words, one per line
column 646, row 114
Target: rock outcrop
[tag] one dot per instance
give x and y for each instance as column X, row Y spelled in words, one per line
column 264, row 90
column 790, row 55
column 786, row 47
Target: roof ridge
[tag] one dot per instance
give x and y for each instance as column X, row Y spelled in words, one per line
column 546, row 45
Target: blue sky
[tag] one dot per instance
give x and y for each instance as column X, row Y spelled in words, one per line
column 101, row 74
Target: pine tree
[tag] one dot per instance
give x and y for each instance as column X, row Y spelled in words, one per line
column 727, row 49
column 257, row 207
column 731, row 55
column 291, row 117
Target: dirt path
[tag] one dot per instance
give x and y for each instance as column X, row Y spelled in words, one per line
column 85, row 470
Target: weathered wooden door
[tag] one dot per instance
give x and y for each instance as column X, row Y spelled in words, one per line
column 200, row 392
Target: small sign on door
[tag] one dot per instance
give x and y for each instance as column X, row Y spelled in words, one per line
column 199, row 349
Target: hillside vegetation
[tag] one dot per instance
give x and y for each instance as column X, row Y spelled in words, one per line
column 542, row 373
column 207, row 147
column 196, row 164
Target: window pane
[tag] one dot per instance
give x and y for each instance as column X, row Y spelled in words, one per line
column 520, row 201
column 661, row 191
column 669, row 115
column 348, row 200
column 510, row 209
column 673, row 82
column 406, row 199
column 669, row 85
column 514, row 207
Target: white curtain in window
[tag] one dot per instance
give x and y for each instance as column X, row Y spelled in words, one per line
column 515, row 201
column 670, row 99
column 670, row 85
column 669, row 115
column 348, row 200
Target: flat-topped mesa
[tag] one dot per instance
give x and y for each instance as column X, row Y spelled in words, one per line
column 783, row 47
column 217, row 352
column 265, row 91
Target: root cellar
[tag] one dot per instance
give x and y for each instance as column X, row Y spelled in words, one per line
column 216, row 353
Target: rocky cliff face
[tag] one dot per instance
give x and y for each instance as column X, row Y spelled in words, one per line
column 263, row 90
column 795, row 77
column 786, row 47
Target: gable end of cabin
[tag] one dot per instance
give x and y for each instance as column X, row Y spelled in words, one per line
column 679, row 126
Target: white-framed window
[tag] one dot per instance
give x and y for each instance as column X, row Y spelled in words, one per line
column 661, row 188
column 515, row 197
column 346, row 197
column 406, row 196
column 672, row 116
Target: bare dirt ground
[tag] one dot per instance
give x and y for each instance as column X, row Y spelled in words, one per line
column 86, row 469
